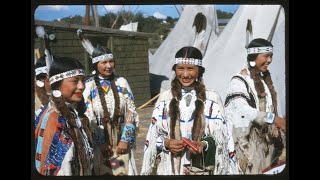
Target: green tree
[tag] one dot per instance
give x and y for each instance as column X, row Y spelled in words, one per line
column 107, row 20
column 223, row 15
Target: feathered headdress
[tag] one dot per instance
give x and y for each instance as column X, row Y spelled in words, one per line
column 85, row 42
column 42, row 34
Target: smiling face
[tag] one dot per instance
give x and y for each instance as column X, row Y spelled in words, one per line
column 263, row 61
column 72, row 88
column 105, row 68
column 187, row 74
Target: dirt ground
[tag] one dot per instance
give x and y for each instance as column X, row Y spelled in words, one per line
column 145, row 119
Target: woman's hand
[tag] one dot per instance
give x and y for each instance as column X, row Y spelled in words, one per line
column 280, row 123
column 173, row 145
column 200, row 146
column 123, row 147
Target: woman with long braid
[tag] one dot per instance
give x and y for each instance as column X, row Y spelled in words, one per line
column 110, row 103
column 42, row 87
column 251, row 105
column 188, row 112
column 64, row 138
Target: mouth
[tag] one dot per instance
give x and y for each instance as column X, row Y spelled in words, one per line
column 78, row 94
column 186, row 80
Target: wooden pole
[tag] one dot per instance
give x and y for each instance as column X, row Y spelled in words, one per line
column 145, row 104
column 95, row 15
column 87, row 16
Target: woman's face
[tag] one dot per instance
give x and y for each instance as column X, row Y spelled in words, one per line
column 263, row 61
column 187, row 74
column 72, row 88
column 105, row 68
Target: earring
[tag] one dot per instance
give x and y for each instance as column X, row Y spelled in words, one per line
column 252, row 63
column 56, row 93
column 39, row 83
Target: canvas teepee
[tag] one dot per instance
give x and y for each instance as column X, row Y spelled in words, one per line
column 227, row 56
column 183, row 34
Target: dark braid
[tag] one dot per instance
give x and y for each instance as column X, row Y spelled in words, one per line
column 60, row 104
column 174, row 105
column 41, row 91
column 81, row 108
column 106, row 115
column 255, row 75
column 114, row 89
column 201, row 97
column 42, row 95
column 269, row 82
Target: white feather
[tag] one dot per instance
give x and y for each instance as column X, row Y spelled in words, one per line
column 48, row 58
column 40, row 31
column 85, row 42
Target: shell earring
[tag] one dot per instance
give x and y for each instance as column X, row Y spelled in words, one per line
column 252, row 63
column 56, row 93
column 39, row 83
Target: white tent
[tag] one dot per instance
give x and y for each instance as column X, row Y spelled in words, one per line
column 132, row 26
column 227, row 56
column 183, row 34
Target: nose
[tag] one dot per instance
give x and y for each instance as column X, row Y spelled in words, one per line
column 80, row 85
column 269, row 59
column 108, row 65
column 185, row 74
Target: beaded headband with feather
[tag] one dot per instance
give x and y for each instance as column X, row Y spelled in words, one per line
column 89, row 48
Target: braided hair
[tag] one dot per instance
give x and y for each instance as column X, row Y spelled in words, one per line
column 187, row 52
column 98, row 51
column 256, row 76
column 60, row 65
column 41, row 91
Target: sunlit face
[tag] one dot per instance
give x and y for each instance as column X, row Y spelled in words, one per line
column 72, row 88
column 263, row 61
column 105, row 67
column 187, row 74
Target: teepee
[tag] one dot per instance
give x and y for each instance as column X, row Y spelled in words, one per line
column 227, row 56
column 183, row 34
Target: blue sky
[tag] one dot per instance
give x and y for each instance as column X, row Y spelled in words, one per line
column 51, row 12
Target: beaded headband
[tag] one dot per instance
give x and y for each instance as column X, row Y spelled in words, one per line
column 197, row 62
column 102, row 57
column 257, row 50
column 40, row 70
column 67, row 74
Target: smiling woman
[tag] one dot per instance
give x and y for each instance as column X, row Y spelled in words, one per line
column 63, row 138
column 188, row 127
